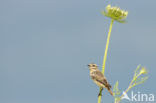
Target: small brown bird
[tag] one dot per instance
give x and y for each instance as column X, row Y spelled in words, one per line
column 99, row 78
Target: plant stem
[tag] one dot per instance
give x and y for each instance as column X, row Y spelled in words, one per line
column 100, row 95
column 107, row 44
column 105, row 57
column 129, row 87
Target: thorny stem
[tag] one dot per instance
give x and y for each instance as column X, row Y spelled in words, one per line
column 105, row 57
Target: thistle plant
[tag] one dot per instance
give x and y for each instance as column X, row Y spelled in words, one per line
column 116, row 14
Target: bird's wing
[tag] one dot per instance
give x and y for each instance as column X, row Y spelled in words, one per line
column 100, row 78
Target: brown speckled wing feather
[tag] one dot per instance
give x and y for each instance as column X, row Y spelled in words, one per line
column 100, row 78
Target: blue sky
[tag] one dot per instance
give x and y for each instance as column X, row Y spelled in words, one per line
column 47, row 44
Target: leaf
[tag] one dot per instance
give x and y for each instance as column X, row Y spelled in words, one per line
column 136, row 70
column 136, row 74
column 142, row 80
column 116, row 91
column 139, row 81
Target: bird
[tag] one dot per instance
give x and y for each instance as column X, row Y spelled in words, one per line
column 99, row 78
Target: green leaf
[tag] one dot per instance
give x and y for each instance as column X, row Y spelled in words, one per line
column 116, row 91
column 142, row 80
column 136, row 70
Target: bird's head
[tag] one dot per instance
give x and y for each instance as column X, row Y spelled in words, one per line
column 92, row 66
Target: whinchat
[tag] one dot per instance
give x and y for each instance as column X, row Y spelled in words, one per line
column 99, row 78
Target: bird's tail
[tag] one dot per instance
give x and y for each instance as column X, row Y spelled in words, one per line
column 110, row 91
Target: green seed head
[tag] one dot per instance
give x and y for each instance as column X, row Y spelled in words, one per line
column 115, row 13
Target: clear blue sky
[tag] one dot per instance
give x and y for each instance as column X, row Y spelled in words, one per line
column 47, row 44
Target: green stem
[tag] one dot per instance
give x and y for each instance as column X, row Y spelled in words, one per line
column 129, row 87
column 105, row 57
column 107, row 44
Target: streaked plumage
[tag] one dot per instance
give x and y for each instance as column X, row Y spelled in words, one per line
column 99, row 78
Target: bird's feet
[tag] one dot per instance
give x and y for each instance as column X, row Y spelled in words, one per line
column 100, row 93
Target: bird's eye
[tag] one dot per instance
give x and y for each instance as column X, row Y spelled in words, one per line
column 93, row 65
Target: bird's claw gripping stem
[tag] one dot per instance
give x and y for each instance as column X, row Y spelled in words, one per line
column 100, row 93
